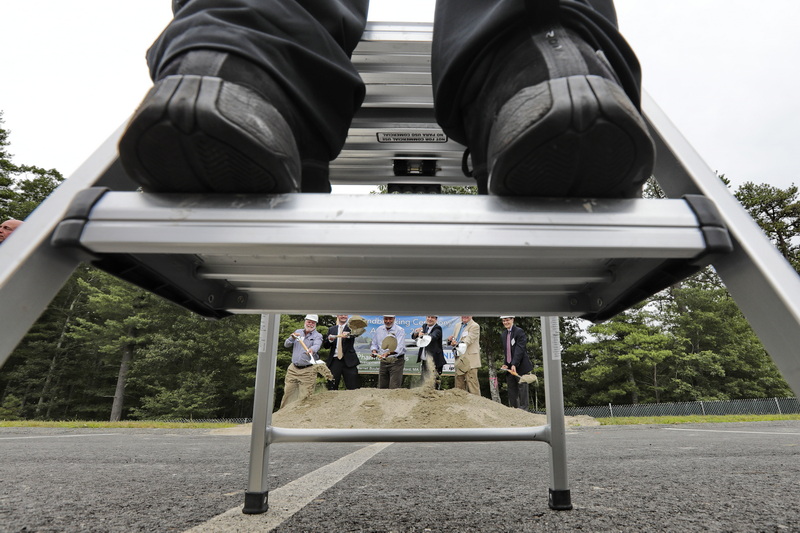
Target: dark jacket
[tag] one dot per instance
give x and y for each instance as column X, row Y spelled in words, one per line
column 434, row 349
column 350, row 357
column 519, row 352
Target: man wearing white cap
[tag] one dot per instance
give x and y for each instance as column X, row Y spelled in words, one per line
column 516, row 362
column 392, row 354
column 301, row 376
column 468, row 360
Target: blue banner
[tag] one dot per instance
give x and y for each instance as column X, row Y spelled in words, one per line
column 370, row 365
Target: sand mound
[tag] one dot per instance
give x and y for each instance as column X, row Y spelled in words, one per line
column 402, row 408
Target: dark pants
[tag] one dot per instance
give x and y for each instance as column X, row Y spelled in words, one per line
column 390, row 374
column 349, row 373
column 517, row 392
column 306, row 44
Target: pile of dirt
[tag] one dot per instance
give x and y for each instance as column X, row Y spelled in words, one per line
column 404, row 408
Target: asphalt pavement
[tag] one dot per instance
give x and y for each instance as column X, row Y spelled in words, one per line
column 742, row 477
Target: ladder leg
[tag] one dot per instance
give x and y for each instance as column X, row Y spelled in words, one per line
column 762, row 283
column 559, row 497
column 255, row 499
column 32, row 271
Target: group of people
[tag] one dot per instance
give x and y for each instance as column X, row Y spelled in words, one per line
column 389, row 347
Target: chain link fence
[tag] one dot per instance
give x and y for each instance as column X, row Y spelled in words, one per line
column 756, row 406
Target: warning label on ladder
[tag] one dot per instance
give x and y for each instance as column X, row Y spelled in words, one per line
column 412, row 137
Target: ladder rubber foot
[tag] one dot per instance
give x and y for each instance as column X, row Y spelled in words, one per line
column 560, row 500
column 255, row 502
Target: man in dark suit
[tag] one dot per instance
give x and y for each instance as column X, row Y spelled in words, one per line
column 343, row 360
column 432, row 354
column 517, row 362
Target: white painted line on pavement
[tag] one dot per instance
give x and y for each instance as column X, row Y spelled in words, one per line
column 287, row 500
column 732, row 431
column 59, row 436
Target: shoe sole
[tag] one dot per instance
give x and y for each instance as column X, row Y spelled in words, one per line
column 200, row 134
column 578, row 136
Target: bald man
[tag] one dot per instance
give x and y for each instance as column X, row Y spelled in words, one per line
column 8, row 228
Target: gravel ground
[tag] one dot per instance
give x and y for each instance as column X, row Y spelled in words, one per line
column 718, row 478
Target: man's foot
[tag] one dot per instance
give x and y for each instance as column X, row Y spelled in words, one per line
column 199, row 131
column 550, row 119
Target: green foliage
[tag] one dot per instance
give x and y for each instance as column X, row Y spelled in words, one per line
column 148, row 424
column 22, row 187
column 195, row 397
column 11, row 408
column 626, row 361
column 777, row 211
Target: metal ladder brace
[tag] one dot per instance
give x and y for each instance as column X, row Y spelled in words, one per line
column 264, row 434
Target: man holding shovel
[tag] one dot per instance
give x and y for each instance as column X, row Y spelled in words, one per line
column 517, row 363
column 301, row 376
column 389, row 345
column 431, row 354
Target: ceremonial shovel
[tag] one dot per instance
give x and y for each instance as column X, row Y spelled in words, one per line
column 527, row 378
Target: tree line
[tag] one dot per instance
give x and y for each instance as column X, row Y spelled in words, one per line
column 106, row 350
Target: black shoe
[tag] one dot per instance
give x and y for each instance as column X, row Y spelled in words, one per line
column 213, row 123
column 547, row 117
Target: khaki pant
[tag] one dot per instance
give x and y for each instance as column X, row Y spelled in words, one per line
column 390, row 375
column 466, row 377
column 299, row 384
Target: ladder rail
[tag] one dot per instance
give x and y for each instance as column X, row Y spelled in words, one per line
column 32, row 271
column 763, row 284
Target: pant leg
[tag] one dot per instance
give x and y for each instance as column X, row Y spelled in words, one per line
column 465, row 29
column 513, row 390
column 290, row 392
column 462, row 369
column 307, row 380
column 524, row 398
column 350, row 374
column 396, row 374
column 337, row 369
column 293, row 385
column 305, row 45
column 473, row 385
column 383, row 375
column 426, row 368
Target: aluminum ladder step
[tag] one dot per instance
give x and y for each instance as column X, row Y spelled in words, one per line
column 408, row 254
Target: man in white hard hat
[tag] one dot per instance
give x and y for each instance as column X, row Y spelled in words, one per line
column 301, row 376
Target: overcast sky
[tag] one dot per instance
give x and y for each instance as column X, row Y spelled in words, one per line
column 724, row 71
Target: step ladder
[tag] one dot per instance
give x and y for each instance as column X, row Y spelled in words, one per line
column 224, row 254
